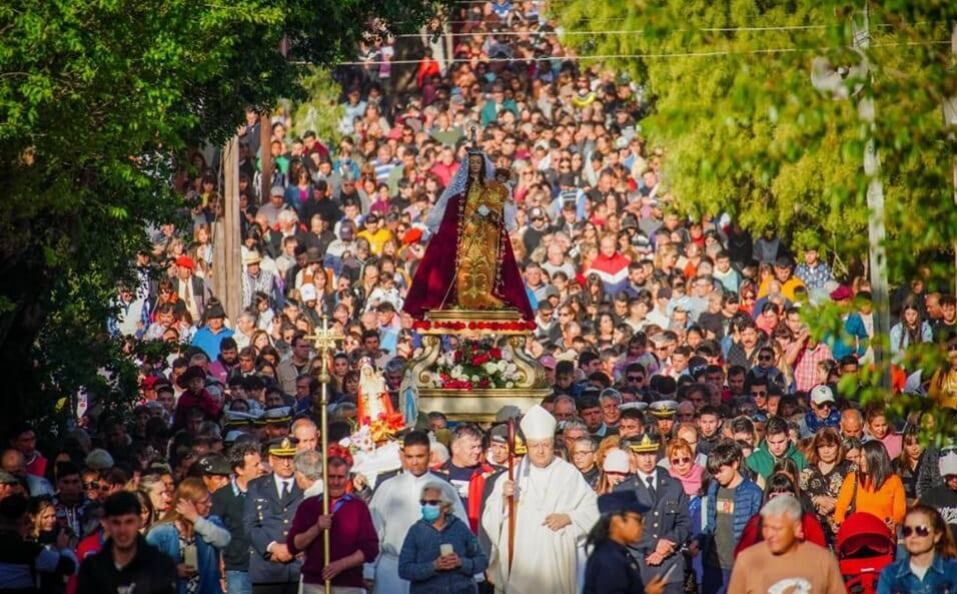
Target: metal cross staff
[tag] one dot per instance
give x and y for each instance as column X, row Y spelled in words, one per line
column 325, row 338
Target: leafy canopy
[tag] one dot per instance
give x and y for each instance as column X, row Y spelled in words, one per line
column 99, row 101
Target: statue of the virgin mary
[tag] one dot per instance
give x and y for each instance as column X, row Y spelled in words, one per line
column 469, row 263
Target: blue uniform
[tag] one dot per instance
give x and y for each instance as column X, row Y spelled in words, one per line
column 667, row 518
column 268, row 519
column 612, row 569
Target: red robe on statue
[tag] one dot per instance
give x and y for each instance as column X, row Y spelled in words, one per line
column 433, row 286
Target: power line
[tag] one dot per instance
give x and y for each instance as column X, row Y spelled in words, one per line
column 613, row 31
column 647, row 56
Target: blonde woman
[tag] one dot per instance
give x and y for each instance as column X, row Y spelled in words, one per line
column 192, row 538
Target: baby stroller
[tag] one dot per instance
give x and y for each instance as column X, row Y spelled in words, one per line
column 864, row 547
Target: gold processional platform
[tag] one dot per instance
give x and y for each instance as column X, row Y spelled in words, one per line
column 473, row 363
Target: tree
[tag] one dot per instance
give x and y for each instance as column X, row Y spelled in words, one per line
column 98, row 103
column 746, row 132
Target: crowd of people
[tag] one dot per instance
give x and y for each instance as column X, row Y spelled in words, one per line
column 695, row 440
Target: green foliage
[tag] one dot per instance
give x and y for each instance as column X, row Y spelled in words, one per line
column 321, row 110
column 746, row 132
column 98, row 102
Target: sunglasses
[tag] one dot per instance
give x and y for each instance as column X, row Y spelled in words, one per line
column 921, row 531
column 683, row 460
column 764, row 358
column 635, row 378
column 759, row 393
column 430, row 501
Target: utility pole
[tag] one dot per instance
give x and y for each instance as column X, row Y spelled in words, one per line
column 265, row 156
column 233, row 241
column 227, row 268
column 876, row 233
column 950, row 122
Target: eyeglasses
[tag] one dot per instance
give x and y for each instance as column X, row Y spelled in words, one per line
column 921, row 531
column 635, row 378
column 765, row 358
column 683, row 460
column 759, row 392
column 430, row 501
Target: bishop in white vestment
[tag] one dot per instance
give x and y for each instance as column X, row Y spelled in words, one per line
column 555, row 509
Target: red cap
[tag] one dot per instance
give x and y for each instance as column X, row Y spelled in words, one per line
column 411, row 236
column 841, row 293
column 185, row 262
column 148, row 382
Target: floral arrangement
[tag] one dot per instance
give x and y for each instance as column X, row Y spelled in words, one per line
column 474, row 365
column 492, row 326
column 366, row 437
column 386, row 425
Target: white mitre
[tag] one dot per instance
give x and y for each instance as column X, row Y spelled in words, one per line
column 538, row 424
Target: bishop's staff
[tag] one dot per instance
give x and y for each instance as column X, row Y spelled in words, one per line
column 324, row 339
column 511, row 499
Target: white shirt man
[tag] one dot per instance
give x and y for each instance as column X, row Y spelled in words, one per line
column 395, row 508
column 555, row 509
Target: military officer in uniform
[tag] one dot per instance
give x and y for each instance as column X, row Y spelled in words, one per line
column 667, row 525
column 664, row 412
column 611, row 566
column 271, row 504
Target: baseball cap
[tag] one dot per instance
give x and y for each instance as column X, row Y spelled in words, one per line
column 214, row 464
column 948, row 464
column 821, row 394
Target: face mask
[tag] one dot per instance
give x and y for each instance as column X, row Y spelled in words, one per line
column 430, row 513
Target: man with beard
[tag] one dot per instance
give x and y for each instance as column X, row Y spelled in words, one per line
column 227, row 361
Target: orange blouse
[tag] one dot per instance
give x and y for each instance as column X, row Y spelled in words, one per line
column 887, row 502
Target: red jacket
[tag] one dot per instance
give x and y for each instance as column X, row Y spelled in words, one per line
column 203, row 401
column 813, row 532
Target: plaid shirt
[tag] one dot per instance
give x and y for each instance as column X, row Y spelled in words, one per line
column 805, row 370
column 814, row 278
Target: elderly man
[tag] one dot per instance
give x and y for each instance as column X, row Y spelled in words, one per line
column 852, row 424
column 352, row 536
column 306, row 433
column 783, row 562
column 554, row 510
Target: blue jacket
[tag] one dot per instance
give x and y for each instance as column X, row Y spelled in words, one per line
column 421, row 548
column 209, row 342
column 813, row 423
column 211, row 536
column 897, row 578
column 747, row 502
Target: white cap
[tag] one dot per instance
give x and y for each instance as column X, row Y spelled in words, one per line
column 538, row 423
column 821, row 394
column 948, row 464
column 616, row 460
column 308, row 292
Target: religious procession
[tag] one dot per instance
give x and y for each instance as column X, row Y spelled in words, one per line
column 476, row 345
